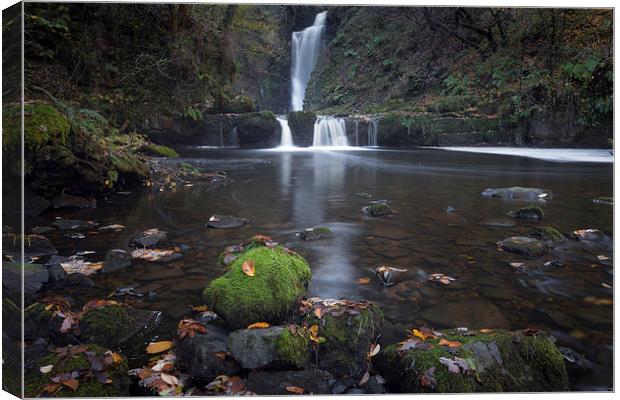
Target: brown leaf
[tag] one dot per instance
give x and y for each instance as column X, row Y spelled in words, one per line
column 364, row 379
column 200, row 308
column 295, row 389
column 51, row 387
column 158, row 347
column 259, row 325
column 318, row 312
column 449, row 343
column 374, row 350
column 71, row 384
column 363, row 281
column 485, row 330
column 248, row 267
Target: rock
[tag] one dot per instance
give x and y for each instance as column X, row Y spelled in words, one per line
column 375, row 385
column 205, row 355
column 317, row 233
column 274, row 383
column 150, row 238
column 529, row 212
column 377, row 210
column 77, row 281
column 33, row 203
column 35, row 246
column 364, row 195
column 575, row 363
column 548, row 234
column 273, row 347
column 119, row 325
column 355, row 391
column 41, row 230
column 390, row 276
column 74, row 225
column 69, row 201
column 524, row 245
column 116, row 259
column 40, row 322
column 231, row 253
column 590, row 235
column 57, row 273
column 472, row 313
column 302, row 127
column 78, row 360
column 226, row 222
column 35, row 276
column 349, row 328
column 604, row 200
column 281, row 279
column 499, row 224
column 259, row 129
column 498, row 361
column 519, row 193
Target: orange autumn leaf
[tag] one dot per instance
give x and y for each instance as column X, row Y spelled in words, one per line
column 318, row 313
column 417, row 333
column 485, row 330
column 71, row 384
column 200, row 308
column 314, row 330
column 295, row 389
column 259, row 325
column 51, row 387
column 363, row 281
column 248, row 267
column 449, row 343
column 158, row 347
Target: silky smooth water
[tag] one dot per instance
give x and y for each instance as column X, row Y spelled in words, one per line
column 285, row 192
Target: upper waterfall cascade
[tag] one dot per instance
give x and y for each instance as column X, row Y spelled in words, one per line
column 330, row 131
column 305, row 49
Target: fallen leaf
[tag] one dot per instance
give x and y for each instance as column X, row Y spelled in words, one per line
column 485, row 330
column 46, row 369
column 51, row 387
column 235, row 386
column 189, row 327
column 363, row 281
column 71, row 384
column 364, row 379
column 200, row 308
column 259, row 325
column 449, row 343
column 158, row 347
column 374, row 350
column 419, row 334
column 295, row 389
column 170, row 379
column 318, row 312
column 248, row 267
column 427, row 380
column 606, row 285
column 314, row 330
column 453, row 367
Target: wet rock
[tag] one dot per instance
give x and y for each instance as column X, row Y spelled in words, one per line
column 529, row 212
column 590, row 235
column 273, row 347
column 275, row 382
column 150, row 238
column 33, row 203
column 317, row 233
column 576, row 363
column 226, row 222
column 205, row 355
column 231, row 253
column 35, row 276
column 77, row 281
column 498, row 361
column 548, row 234
column 375, row 385
column 519, row 193
column 281, row 278
column 41, row 230
column 349, row 328
column 377, row 210
column 472, row 313
column 57, row 273
column 604, row 200
column 35, row 246
column 524, row 245
column 119, row 325
column 41, row 322
column 70, row 201
column 363, row 195
column 74, row 225
column 116, row 259
column 390, row 276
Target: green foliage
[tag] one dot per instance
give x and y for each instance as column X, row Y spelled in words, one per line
column 159, row 150
column 455, row 85
column 193, row 113
column 452, row 103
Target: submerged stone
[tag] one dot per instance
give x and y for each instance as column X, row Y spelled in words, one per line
column 275, row 383
column 150, row 238
column 273, row 347
column 226, row 222
column 116, row 259
column 35, row 246
column 377, row 210
column 496, row 361
column 529, row 212
column 281, row 278
column 317, row 233
column 70, row 201
column 472, row 313
column 548, row 234
column 74, row 224
column 519, row 193
column 524, row 245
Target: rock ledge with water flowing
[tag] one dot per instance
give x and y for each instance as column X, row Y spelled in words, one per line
column 519, row 193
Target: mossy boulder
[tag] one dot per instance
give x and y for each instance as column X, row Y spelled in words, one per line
column 529, row 212
column 302, row 127
column 231, row 253
column 524, row 245
column 118, row 326
column 153, row 149
column 258, row 130
column 99, row 372
column 377, row 210
column 497, row 361
column 272, row 347
column 281, row 278
column 349, row 328
column 317, row 233
column 41, row 321
column 549, row 234
column 238, row 104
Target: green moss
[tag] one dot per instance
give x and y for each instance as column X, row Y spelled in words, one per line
column 281, row 278
column 530, row 212
column 376, row 210
column 88, row 385
column 548, row 233
column 107, row 324
column 293, row 349
column 159, row 150
column 502, row 362
column 452, row 103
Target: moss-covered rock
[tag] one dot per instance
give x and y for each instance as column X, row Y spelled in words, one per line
column 320, row 232
column 118, row 325
column 238, row 104
column 108, row 379
column 42, row 321
column 548, row 234
column 524, row 245
column 497, row 361
column 280, row 280
column 273, row 347
column 260, row 129
column 349, row 328
column 158, row 150
column 377, row 210
column 302, row 127
column 529, row 212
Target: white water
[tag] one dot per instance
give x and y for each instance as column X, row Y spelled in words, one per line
column 329, row 131
column 558, row 155
column 305, row 48
column 286, row 137
column 373, row 132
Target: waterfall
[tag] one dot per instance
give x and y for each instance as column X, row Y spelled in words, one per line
column 357, row 140
column 373, row 132
column 329, row 131
column 305, row 48
column 221, row 135
column 286, row 137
